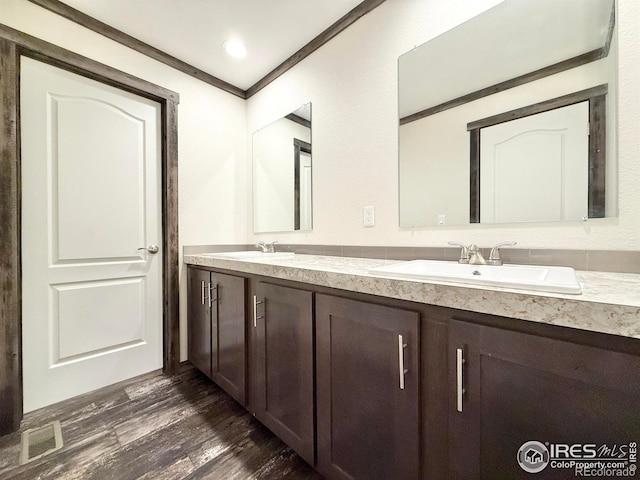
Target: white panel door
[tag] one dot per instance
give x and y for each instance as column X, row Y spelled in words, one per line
column 306, row 207
column 536, row 168
column 91, row 301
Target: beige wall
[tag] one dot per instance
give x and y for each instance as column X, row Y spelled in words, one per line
column 352, row 82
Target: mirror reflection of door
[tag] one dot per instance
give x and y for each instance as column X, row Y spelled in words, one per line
column 282, row 174
column 533, row 168
column 302, row 184
column 305, row 192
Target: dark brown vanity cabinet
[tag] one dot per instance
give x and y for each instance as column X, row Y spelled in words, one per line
column 508, row 388
column 364, row 387
column 283, row 360
column 216, row 329
column 367, row 390
column 199, row 319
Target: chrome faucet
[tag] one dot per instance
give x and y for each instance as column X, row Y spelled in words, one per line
column 475, row 256
column 494, row 256
column 464, row 253
column 267, row 247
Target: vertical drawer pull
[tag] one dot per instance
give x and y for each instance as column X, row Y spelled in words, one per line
column 459, row 379
column 401, row 370
column 202, row 291
column 255, row 310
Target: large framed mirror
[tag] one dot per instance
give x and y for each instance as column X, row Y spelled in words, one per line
column 282, row 174
column 511, row 117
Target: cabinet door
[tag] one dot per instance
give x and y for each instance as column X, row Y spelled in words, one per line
column 284, row 365
column 199, row 319
column 229, row 360
column 520, row 388
column 367, row 383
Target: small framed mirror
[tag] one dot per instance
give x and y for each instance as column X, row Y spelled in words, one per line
column 282, row 174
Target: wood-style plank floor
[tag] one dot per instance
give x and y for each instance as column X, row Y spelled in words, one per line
column 155, row 427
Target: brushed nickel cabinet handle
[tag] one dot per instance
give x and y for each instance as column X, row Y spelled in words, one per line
column 459, row 378
column 255, row 311
column 202, row 291
column 401, row 370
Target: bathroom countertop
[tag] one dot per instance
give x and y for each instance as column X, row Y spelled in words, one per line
column 609, row 303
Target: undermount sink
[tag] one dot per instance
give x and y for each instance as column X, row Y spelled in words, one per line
column 250, row 255
column 528, row 277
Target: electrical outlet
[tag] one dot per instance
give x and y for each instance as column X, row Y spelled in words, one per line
column 368, row 216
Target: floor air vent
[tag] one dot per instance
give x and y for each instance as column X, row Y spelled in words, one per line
column 38, row 442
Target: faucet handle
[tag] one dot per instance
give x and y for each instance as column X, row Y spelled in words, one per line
column 267, row 247
column 494, row 256
column 464, row 253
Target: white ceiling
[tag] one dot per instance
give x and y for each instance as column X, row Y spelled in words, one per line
column 194, row 30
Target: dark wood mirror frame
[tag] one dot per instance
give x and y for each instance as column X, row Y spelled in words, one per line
column 13, row 45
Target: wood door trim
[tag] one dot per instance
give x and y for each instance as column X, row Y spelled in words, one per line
column 10, row 273
column 44, row 51
column 13, row 45
column 540, row 107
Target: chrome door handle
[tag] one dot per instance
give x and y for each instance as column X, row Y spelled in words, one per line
column 459, row 379
column 401, row 370
column 152, row 249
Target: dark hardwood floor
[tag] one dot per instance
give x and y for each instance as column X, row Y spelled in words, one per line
column 155, row 427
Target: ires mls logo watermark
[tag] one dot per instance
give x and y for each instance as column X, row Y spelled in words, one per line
column 533, row 457
column 585, row 459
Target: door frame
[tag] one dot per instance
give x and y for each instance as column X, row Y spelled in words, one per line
column 299, row 146
column 13, row 45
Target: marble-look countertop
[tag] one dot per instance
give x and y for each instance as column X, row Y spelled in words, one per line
column 609, row 303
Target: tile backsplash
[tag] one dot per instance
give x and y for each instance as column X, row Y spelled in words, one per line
column 591, row 260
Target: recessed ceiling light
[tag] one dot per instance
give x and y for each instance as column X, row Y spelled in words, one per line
column 235, row 48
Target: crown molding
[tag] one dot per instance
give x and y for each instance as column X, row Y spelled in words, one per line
column 127, row 40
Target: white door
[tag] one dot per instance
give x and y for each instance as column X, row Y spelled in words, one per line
column 536, row 168
column 91, row 302
column 306, row 208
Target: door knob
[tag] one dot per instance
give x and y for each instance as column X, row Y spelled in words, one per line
column 152, row 249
